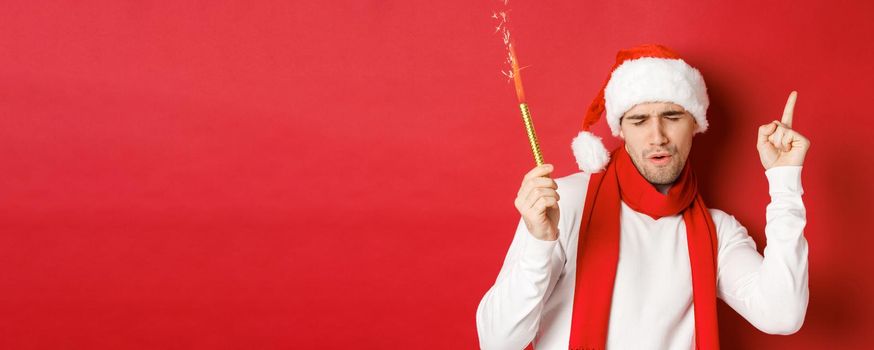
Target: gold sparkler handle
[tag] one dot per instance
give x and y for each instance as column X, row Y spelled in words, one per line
column 532, row 137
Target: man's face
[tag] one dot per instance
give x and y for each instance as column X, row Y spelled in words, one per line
column 658, row 136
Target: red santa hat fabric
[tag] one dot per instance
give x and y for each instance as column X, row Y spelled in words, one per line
column 645, row 73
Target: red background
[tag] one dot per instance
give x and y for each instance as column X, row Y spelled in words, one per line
column 298, row 174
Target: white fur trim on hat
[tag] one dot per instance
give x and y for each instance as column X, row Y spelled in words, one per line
column 590, row 153
column 649, row 79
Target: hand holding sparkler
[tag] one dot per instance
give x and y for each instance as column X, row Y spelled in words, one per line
column 537, row 201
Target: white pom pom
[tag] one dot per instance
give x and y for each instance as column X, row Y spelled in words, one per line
column 590, row 152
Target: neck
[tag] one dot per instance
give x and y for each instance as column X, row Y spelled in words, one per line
column 663, row 189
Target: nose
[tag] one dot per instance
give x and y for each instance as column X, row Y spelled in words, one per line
column 658, row 135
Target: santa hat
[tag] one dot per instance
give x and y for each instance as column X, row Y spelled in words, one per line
column 646, row 73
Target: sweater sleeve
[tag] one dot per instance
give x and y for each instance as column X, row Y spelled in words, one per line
column 508, row 316
column 770, row 292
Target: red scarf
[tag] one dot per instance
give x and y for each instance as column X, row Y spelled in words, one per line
column 598, row 247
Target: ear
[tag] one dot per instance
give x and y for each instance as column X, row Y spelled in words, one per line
column 621, row 134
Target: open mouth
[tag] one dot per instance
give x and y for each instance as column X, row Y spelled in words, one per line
column 660, row 159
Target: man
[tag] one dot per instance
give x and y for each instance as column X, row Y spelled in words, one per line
column 626, row 255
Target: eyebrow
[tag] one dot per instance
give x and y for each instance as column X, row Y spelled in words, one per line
column 662, row 114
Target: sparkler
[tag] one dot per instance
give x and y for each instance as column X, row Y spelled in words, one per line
column 513, row 73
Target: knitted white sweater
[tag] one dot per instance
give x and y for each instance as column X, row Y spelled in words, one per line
column 532, row 298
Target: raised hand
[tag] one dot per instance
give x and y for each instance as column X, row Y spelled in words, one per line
column 778, row 143
column 537, row 201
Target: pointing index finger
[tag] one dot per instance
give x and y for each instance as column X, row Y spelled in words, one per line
column 789, row 109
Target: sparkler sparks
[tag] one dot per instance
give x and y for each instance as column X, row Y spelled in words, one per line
column 513, row 74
